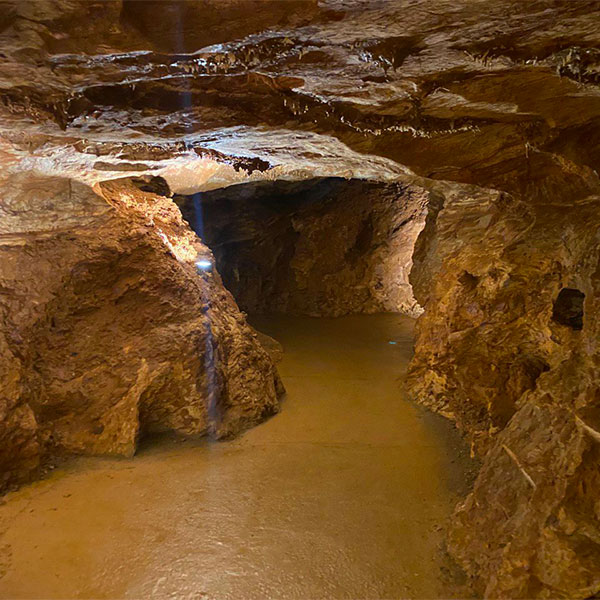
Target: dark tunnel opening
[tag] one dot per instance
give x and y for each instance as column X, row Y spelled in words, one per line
column 568, row 308
column 320, row 247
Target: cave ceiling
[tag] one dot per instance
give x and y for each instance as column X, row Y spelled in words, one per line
column 498, row 94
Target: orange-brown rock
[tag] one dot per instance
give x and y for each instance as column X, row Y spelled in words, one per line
column 109, row 331
column 494, row 105
column 508, row 348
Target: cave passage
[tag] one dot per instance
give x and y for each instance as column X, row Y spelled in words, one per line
column 178, row 176
column 320, row 247
column 343, row 494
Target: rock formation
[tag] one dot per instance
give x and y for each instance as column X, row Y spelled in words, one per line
column 109, row 330
column 507, row 348
column 489, row 111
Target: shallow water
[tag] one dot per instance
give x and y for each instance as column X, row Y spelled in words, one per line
column 341, row 495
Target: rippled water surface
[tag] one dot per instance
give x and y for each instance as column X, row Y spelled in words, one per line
column 341, row 495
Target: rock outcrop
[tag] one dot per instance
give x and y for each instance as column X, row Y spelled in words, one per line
column 325, row 247
column 109, row 330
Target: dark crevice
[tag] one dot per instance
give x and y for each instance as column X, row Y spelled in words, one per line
column 568, row 308
column 469, row 281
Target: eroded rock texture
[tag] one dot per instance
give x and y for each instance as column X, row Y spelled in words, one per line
column 508, row 347
column 324, row 247
column 108, row 330
column 492, row 107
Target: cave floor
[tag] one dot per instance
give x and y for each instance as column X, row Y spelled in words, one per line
column 341, row 495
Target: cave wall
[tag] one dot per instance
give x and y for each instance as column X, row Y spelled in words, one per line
column 507, row 349
column 326, row 247
column 107, row 330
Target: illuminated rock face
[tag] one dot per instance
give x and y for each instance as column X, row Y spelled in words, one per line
column 325, row 247
column 508, row 348
column 109, row 331
column 495, row 109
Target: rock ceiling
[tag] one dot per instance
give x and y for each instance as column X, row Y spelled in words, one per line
column 475, row 92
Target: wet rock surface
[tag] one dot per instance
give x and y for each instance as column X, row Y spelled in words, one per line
column 492, row 108
column 322, row 501
column 507, row 347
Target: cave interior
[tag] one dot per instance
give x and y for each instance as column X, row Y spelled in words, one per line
column 300, row 298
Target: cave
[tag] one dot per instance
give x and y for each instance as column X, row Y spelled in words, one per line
column 299, row 299
column 568, row 308
column 320, row 247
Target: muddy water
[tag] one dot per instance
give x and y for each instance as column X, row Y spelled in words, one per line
column 341, row 495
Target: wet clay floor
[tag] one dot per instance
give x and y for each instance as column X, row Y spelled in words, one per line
column 341, row 495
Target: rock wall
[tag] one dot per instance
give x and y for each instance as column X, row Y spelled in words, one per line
column 325, row 247
column 108, row 331
column 508, row 348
